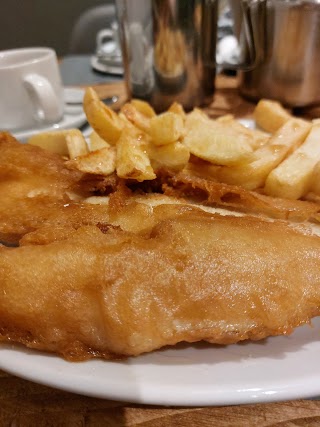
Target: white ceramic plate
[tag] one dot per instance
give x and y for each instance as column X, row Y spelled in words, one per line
column 278, row 368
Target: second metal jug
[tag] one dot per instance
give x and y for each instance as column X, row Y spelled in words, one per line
column 289, row 42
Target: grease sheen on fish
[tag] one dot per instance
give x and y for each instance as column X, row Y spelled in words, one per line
column 190, row 276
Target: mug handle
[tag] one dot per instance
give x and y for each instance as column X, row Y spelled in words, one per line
column 47, row 106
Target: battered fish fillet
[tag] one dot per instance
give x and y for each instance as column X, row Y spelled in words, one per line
column 187, row 184
column 34, row 184
column 105, row 292
column 36, row 189
column 131, row 213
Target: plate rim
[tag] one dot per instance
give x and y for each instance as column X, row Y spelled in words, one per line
column 68, row 121
column 304, row 386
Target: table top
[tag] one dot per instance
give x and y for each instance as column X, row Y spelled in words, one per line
column 226, row 99
column 23, row 403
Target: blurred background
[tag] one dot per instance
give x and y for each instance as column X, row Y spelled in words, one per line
column 42, row 22
column 51, row 23
column 70, row 27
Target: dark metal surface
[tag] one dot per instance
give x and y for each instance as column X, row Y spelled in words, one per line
column 289, row 70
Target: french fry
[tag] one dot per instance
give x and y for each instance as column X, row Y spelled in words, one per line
column 174, row 156
column 125, row 121
column 101, row 118
column 143, row 107
column 255, row 137
column 315, row 184
column 132, row 161
column 177, row 109
column 54, row 141
column 270, row 115
column 96, row 142
column 292, row 179
column 166, row 128
column 253, row 174
column 226, row 118
column 76, row 143
column 69, row 142
column 196, row 113
column 99, row 162
column 134, row 116
column 215, row 142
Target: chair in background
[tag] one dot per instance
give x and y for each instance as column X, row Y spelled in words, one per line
column 89, row 23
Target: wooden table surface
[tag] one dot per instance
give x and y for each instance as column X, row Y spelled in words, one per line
column 23, row 403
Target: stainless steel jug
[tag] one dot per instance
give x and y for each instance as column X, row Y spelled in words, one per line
column 288, row 40
column 169, row 49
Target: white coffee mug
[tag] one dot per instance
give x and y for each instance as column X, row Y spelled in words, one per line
column 31, row 92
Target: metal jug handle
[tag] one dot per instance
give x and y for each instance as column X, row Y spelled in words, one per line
column 253, row 15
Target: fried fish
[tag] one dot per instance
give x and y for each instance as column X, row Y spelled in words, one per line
column 34, row 184
column 186, row 275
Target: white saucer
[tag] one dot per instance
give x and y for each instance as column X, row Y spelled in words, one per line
column 69, row 121
column 73, row 95
column 74, row 116
column 106, row 68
